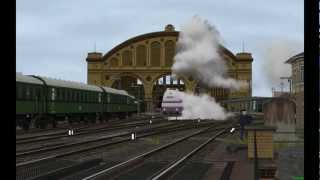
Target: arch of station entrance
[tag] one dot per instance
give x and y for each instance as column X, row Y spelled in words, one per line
column 155, row 93
column 189, row 84
column 116, row 77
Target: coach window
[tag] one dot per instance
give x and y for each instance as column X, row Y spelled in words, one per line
column 57, row 94
column 108, row 96
column 31, row 92
column 99, row 97
column 62, row 94
column 82, row 97
column 53, row 94
column 27, row 92
column 77, row 96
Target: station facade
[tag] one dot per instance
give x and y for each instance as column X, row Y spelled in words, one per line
column 142, row 66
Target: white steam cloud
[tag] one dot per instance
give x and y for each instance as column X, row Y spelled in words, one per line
column 274, row 55
column 198, row 55
column 203, row 107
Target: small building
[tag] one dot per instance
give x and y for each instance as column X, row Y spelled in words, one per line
column 297, row 81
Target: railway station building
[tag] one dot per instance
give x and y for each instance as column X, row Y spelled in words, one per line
column 142, row 66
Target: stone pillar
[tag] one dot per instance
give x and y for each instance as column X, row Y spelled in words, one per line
column 264, row 140
column 148, row 96
column 149, row 104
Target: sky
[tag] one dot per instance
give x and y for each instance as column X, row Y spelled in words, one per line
column 54, row 37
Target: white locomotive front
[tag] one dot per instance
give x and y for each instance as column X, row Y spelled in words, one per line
column 172, row 102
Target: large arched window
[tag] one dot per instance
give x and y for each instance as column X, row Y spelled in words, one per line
column 114, row 62
column 169, row 53
column 141, row 56
column 127, row 58
column 155, row 53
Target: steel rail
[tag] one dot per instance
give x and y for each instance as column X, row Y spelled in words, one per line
column 175, row 164
column 99, row 146
column 147, row 154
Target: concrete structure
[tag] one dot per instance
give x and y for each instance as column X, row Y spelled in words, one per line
column 297, row 77
column 149, row 57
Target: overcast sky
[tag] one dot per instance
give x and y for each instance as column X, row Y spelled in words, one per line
column 54, row 37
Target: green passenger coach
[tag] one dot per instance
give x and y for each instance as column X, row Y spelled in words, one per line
column 42, row 100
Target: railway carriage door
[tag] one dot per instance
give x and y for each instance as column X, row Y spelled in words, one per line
column 53, row 97
column 108, row 102
column 99, row 100
column 36, row 97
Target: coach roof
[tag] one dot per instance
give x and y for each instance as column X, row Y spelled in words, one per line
column 69, row 84
column 27, row 79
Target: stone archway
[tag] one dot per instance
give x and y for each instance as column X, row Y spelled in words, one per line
column 150, row 56
column 161, row 84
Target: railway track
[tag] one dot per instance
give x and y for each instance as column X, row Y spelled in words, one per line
column 107, row 133
column 79, row 132
column 146, row 166
column 64, row 126
column 41, row 167
column 68, row 149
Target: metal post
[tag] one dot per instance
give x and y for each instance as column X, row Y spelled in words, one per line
column 138, row 101
column 256, row 169
column 290, row 81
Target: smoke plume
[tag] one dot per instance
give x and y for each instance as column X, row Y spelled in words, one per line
column 197, row 55
column 202, row 106
column 274, row 55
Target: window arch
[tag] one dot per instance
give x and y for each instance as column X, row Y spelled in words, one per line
column 141, row 56
column 127, row 58
column 155, row 53
column 114, row 62
column 169, row 53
